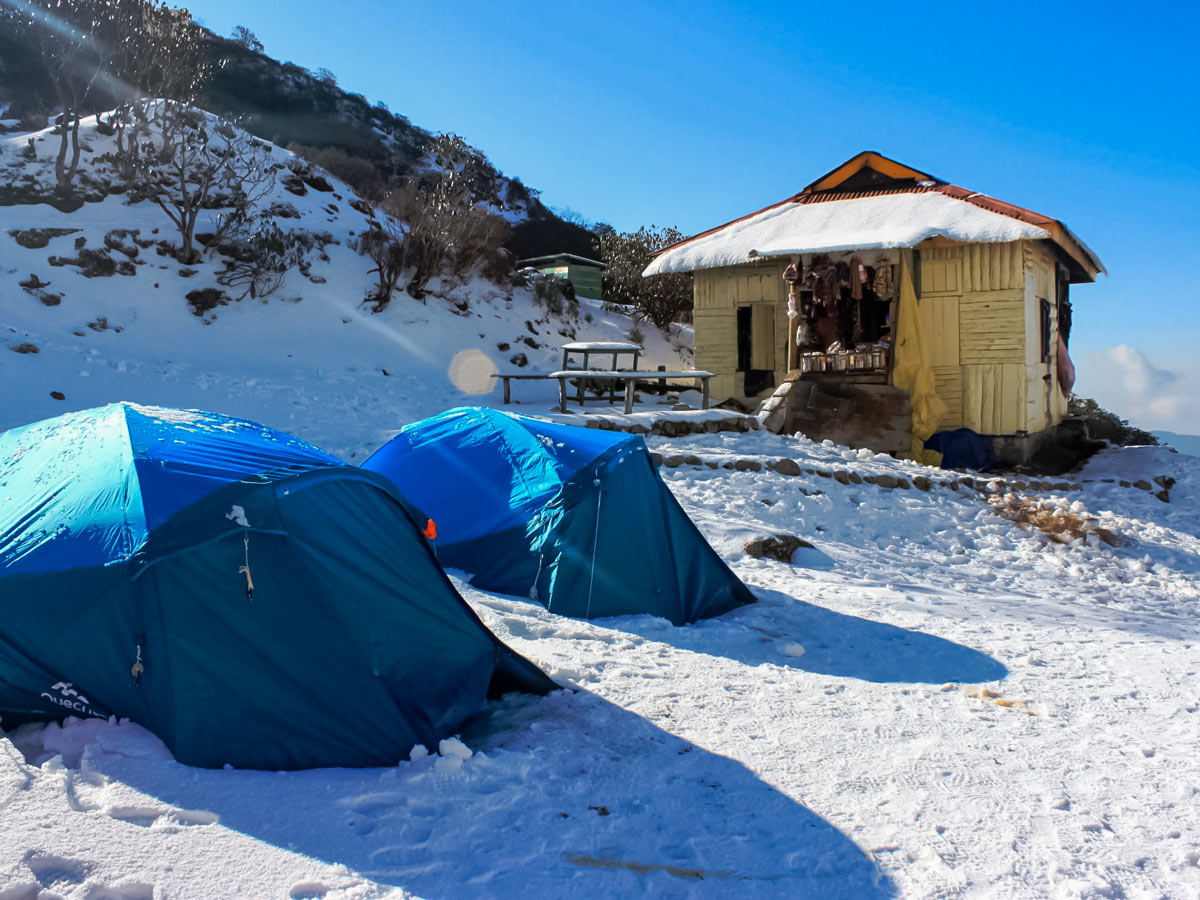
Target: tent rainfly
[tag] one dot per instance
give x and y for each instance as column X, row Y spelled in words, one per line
column 575, row 518
column 242, row 594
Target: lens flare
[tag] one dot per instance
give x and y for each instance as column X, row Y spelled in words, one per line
column 471, row 372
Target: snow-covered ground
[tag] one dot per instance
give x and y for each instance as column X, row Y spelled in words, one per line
column 929, row 703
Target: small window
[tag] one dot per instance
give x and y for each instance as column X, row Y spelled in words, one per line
column 1063, row 304
column 744, row 337
column 1045, row 330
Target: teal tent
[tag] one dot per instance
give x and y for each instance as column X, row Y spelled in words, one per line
column 245, row 596
column 576, row 518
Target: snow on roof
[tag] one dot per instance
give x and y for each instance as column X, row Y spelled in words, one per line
column 554, row 257
column 880, row 221
column 601, row 345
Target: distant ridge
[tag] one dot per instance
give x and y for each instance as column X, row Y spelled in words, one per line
column 1184, row 443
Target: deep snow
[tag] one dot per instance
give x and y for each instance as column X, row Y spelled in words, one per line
column 830, row 741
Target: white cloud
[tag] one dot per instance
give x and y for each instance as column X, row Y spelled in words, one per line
column 1124, row 380
column 1141, row 375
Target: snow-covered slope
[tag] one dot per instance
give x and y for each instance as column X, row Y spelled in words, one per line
column 310, row 357
column 930, row 702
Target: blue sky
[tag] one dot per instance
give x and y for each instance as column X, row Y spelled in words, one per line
column 693, row 113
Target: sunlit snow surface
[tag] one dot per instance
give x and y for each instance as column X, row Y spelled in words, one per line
column 716, row 760
column 821, row 743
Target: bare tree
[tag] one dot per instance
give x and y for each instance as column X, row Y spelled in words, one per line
column 73, row 40
column 162, row 56
column 386, row 246
column 188, row 160
column 244, row 36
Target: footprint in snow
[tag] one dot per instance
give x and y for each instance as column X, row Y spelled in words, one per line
column 130, row 890
column 50, row 870
column 308, row 890
column 146, row 816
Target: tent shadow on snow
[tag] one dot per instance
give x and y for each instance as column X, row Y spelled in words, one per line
column 569, row 795
column 834, row 644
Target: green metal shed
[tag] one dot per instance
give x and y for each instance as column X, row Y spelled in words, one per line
column 586, row 275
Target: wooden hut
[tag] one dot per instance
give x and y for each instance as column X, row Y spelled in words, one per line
column 881, row 300
column 586, row 275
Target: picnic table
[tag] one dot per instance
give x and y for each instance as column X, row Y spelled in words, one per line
column 609, row 380
column 624, row 357
column 629, row 379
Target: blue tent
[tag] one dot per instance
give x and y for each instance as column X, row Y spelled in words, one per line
column 576, row 518
column 245, row 596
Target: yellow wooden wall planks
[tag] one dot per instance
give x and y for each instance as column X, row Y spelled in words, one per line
column 992, row 327
column 993, row 398
column 948, row 382
column 940, row 327
column 979, row 315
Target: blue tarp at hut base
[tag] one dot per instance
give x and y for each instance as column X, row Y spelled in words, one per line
column 245, row 596
column 576, row 518
column 962, row 448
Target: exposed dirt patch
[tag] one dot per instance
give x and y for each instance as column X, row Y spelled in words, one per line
column 24, row 347
column 282, row 210
column 95, row 264
column 318, row 183
column 123, row 240
column 100, row 323
column 37, row 238
column 202, row 302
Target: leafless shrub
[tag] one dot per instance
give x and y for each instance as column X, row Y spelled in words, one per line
column 555, row 295
column 1062, row 524
column 432, row 225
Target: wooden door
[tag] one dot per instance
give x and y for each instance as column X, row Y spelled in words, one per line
column 762, row 336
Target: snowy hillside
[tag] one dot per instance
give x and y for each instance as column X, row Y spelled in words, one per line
column 934, row 700
column 93, row 312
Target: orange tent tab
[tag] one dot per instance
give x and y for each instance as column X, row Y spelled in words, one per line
column 431, row 530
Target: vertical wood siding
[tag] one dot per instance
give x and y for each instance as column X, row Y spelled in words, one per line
column 979, row 317
column 1042, row 406
column 993, row 398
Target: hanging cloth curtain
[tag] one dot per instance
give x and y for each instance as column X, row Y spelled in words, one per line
column 1066, row 368
column 912, row 371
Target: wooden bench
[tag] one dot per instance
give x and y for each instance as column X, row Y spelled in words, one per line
column 630, row 379
column 516, row 376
